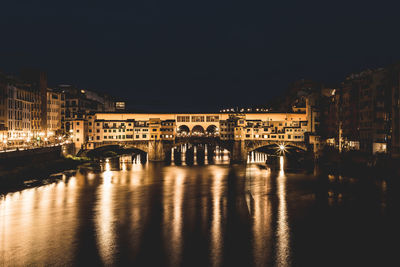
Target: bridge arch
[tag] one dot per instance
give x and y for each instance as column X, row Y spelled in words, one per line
column 212, row 129
column 288, row 146
column 183, row 130
column 198, row 130
column 102, row 150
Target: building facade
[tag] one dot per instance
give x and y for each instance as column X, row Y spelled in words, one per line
column 16, row 105
column 79, row 103
column 55, row 104
column 113, row 128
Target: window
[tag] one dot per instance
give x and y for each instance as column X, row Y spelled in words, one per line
column 183, row 118
column 197, row 118
column 212, row 118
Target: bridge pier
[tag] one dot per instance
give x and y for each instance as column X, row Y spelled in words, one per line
column 156, row 150
column 239, row 152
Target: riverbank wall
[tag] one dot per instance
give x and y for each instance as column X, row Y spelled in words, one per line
column 18, row 167
column 22, row 157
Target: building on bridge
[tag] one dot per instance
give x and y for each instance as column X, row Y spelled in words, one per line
column 251, row 130
column 276, row 127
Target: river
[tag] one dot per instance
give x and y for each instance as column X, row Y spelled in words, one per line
column 153, row 214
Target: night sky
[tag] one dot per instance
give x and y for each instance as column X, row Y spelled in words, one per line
column 196, row 55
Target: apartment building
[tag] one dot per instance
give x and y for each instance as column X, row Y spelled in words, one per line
column 55, row 104
column 18, row 120
column 274, row 128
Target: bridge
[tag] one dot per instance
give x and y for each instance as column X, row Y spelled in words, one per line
column 159, row 134
column 239, row 150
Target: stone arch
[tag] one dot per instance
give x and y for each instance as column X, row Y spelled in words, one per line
column 198, row 130
column 212, row 129
column 104, row 148
column 183, row 130
column 143, row 148
column 253, row 145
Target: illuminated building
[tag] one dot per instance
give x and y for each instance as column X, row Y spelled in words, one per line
column 79, row 103
column 267, row 126
column 137, row 128
column 120, row 105
column 55, row 104
column 80, row 132
column 15, row 113
column 37, row 81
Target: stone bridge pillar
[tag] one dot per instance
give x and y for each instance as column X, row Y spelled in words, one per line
column 239, row 152
column 156, row 150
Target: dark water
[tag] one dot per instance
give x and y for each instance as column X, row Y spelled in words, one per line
column 212, row 215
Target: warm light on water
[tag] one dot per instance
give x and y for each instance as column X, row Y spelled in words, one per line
column 283, row 229
column 212, row 215
column 105, row 220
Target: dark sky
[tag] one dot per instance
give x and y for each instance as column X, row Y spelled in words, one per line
column 196, row 54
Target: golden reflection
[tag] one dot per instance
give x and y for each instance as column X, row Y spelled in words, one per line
column 216, row 224
column 29, row 222
column 123, row 166
column 173, row 202
column 261, row 212
column 72, row 182
column 281, row 166
column 283, row 230
column 108, row 166
column 104, row 219
column 90, row 176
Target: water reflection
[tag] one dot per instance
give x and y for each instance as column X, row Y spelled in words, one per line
column 202, row 154
column 283, row 230
column 173, row 198
column 33, row 220
column 105, row 228
column 260, row 206
column 218, row 210
column 156, row 215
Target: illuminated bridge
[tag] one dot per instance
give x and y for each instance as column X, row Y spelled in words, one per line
column 159, row 134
